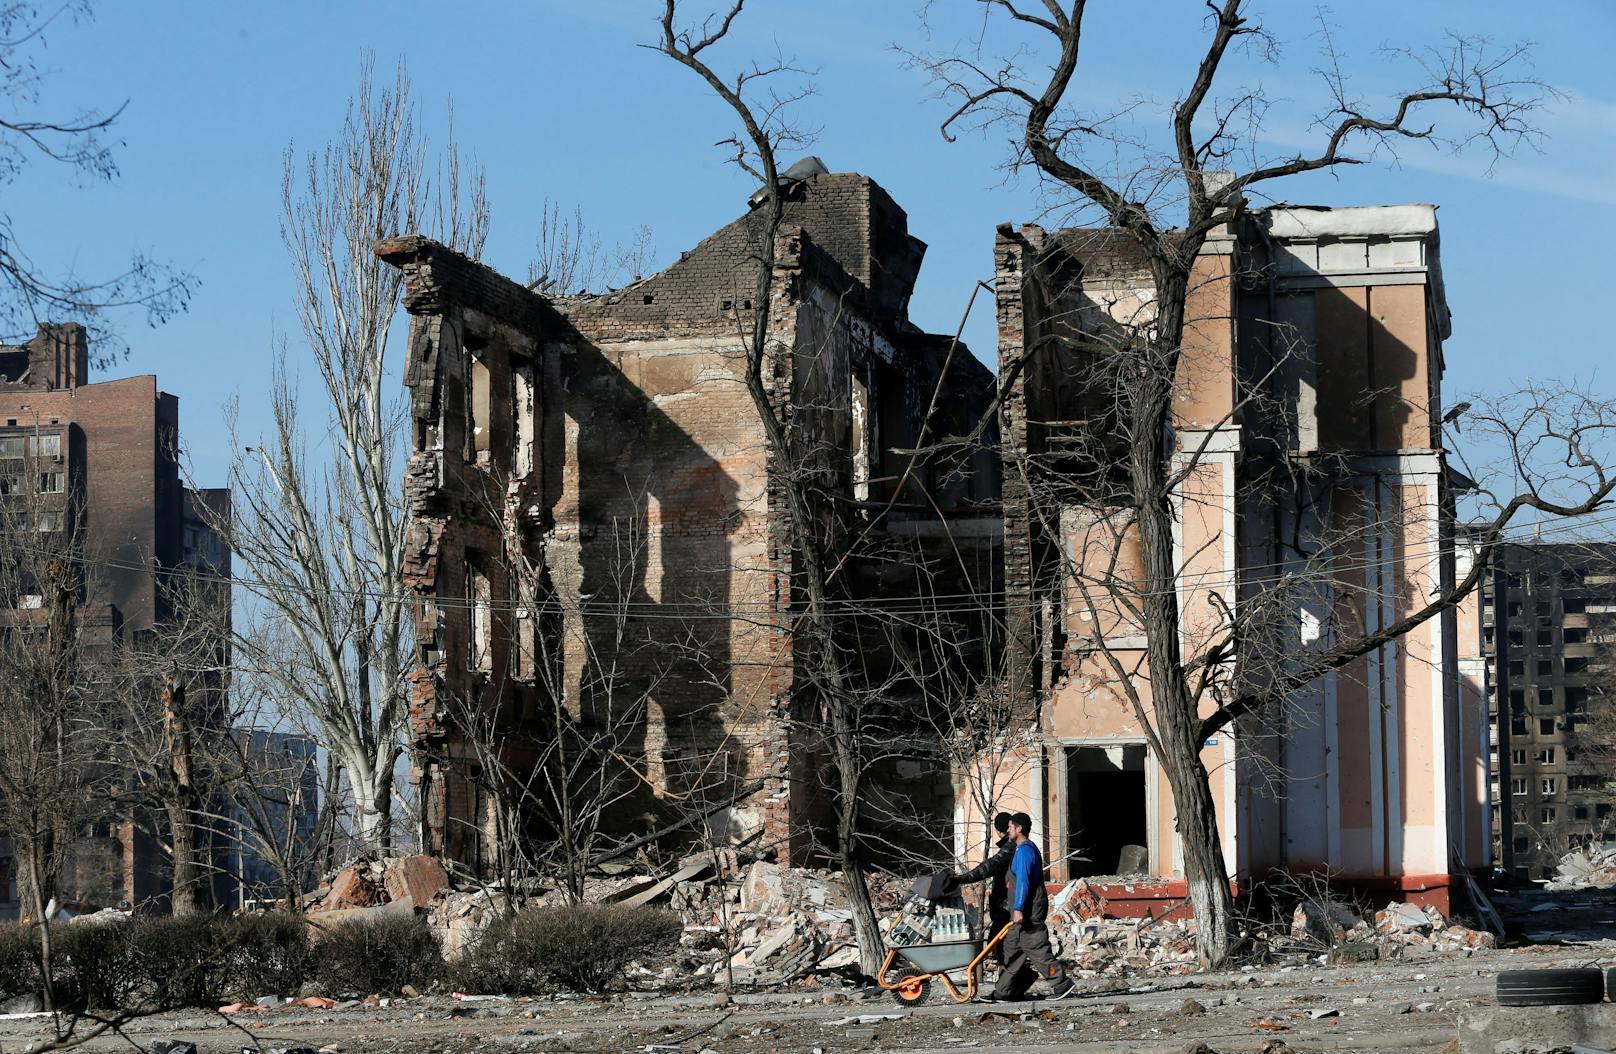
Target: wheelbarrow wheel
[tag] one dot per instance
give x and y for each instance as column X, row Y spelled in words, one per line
column 912, row 988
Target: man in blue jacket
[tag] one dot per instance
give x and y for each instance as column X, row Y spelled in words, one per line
column 1028, row 956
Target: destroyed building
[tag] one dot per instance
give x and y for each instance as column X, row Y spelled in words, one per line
column 98, row 461
column 1548, row 613
column 596, row 543
column 1307, row 414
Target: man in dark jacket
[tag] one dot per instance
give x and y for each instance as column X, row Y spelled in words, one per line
column 1028, row 956
column 997, row 869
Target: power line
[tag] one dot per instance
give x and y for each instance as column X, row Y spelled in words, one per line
column 901, row 605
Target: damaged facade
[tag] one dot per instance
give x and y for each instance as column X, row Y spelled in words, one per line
column 1310, row 384
column 595, row 541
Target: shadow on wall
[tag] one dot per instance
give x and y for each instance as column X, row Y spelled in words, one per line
column 656, row 515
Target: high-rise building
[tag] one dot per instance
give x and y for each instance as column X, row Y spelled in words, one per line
column 1548, row 617
column 99, row 461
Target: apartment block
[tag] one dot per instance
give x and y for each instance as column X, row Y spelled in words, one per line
column 1548, row 619
column 101, row 459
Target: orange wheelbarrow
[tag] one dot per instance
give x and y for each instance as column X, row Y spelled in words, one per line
column 924, row 963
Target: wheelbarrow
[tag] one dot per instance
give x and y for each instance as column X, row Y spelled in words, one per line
column 924, row 963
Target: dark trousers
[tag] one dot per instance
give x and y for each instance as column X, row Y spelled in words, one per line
column 998, row 918
column 1029, row 958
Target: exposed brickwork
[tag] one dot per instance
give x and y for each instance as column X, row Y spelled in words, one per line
column 653, row 503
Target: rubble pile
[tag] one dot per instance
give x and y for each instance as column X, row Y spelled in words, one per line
column 1102, row 947
column 748, row 921
column 1093, row 944
column 761, row 923
column 1591, row 868
column 1399, row 930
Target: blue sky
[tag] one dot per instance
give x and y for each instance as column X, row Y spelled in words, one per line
column 558, row 102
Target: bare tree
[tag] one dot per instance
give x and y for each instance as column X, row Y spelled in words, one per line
column 161, row 725
column 557, row 775
column 271, row 779
column 798, row 463
column 55, row 674
column 1164, row 198
column 77, row 141
column 321, row 526
column 570, row 258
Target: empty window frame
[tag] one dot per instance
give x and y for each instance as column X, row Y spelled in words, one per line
column 479, row 591
column 477, row 408
column 1107, row 810
column 524, row 398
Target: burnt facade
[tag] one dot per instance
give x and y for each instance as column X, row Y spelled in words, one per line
column 1548, row 617
column 595, row 536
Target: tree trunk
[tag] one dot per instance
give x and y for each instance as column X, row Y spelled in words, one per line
column 866, row 927
column 186, row 898
column 38, row 909
column 182, row 805
column 372, row 790
column 1205, row 871
column 1176, row 709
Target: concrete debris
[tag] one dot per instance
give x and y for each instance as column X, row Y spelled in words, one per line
column 371, row 881
column 1407, row 918
column 1321, row 930
column 1326, row 921
column 1590, row 868
column 752, row 922
column 96, row 918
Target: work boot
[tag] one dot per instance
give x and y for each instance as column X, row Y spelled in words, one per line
column 995, row 997
column 1061, row 993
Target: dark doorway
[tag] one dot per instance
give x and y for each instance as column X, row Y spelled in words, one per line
column 1106, row 826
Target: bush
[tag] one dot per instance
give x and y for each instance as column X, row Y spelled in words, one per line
column 19, row 962
column 266, row 953
column 180, row 961
column 380, row 955
column 151, row 962
column 94, row 963
column 583, row 948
